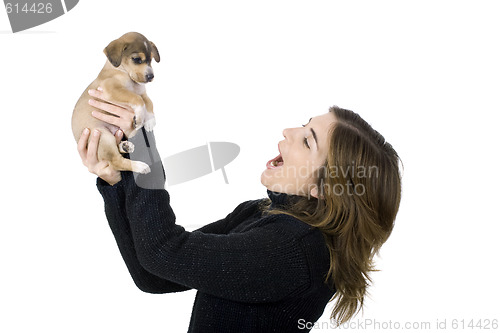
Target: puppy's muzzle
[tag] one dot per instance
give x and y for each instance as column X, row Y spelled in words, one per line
column 149, row 77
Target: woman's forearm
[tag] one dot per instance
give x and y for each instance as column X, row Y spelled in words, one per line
column 243, row 267
column 114, row 203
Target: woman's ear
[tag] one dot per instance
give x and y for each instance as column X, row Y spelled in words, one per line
column 315, row 193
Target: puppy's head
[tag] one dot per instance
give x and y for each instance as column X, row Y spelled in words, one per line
column 132, row 52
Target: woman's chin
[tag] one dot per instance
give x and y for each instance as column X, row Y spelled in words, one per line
column 268, row 179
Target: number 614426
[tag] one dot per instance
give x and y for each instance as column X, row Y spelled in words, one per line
column 36, row 8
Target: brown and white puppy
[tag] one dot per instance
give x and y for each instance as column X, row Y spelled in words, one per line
column 122, row 80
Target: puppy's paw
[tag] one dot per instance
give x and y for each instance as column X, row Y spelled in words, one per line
column 149, row 124
column 140, row 110
column 140, row 167
column 140, row 115
column 126, row 147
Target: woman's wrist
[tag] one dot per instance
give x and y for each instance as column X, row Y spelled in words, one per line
column 111, row 181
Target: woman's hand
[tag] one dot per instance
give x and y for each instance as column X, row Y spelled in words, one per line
column 89, row 156
column 121, row 116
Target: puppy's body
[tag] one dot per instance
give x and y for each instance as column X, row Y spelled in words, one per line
column 123, row 80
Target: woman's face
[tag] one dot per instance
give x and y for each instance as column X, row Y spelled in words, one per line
column 302, row 152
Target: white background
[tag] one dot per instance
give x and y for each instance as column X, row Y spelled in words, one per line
column 423, row 73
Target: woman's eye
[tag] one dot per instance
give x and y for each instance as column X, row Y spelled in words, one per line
column 306, row 144
column 137, row 60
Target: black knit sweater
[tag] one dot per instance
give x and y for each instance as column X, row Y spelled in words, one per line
column 253, row 272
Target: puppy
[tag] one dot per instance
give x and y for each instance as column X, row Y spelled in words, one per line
column 123, row 79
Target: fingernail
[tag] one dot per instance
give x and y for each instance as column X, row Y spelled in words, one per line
column 99, row 88
column 119, row 132
column 91, row 91
column 86, row 131
column 96, row 133
column 91, row 102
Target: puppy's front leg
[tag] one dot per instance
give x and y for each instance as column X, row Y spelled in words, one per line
column 115, row 93
column 149, row 119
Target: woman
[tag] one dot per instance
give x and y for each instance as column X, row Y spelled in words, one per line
column 271, row 265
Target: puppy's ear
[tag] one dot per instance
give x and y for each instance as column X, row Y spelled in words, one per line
column 155, row 52
column 114, row 52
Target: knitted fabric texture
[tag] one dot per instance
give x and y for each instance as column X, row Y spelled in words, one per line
column 253, row 272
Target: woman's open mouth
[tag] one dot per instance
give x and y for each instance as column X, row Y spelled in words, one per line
column 275, row 162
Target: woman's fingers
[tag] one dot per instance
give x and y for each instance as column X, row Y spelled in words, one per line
column 118, row 136
column 126, row 124
column 108, row 106
column 88, row 154
column 111, row 108
column 96, row 93
column 82, row 145
column 116, row 115
column 113, row 120
column 92, row 148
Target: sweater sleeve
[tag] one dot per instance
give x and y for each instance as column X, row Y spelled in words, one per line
column 115, row 213
column 263, row 264
column 120, row 227
column 145, row 151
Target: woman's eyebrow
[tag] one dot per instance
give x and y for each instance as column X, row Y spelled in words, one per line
column 307, row 123
column 315, row 137
column 313, row 132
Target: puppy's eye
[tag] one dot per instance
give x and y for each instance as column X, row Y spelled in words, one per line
column 137, row 61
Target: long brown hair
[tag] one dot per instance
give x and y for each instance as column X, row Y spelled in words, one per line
column 359, row 194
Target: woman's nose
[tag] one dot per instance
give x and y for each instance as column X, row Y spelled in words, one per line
column 286, row 132
column 290, row 133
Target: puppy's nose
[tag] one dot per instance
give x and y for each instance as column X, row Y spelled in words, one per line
column 150, row 77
